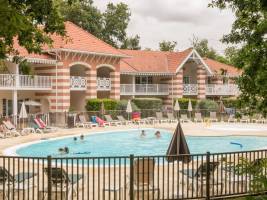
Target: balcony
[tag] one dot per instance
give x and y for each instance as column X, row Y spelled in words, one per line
column 78, row 83
column 25, row 82
column 144, row 89
column 222, row 90
column 103, row 84
column 190, row 89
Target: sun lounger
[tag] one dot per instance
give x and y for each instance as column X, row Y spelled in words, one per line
column 68, row 182
column 198, row 117
column 184, row 118
column 213, row 117
column 10, row 127
column 41, row 125
column 159, row 116
column 111, row 121
column 171, row 117
column 232, row 119
column 100, row 121
column 257, row 118
column 244, row 119
column 84, row 123
column 123, row 120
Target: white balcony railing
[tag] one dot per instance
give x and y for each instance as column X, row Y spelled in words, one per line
column 222, row 90
column 190, row 89
column 25, row 82
column 144, row 89
column 103, row 84
column 78, row 83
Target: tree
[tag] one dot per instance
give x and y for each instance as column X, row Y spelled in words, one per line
column 249, row 30
column 167, row 45
column 202, row 47
column 22, row 19
column 132, row 43
column 231, row 54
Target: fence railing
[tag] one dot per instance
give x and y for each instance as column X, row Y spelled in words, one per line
column 203, row 176
column 144, row 89
column 78, row 83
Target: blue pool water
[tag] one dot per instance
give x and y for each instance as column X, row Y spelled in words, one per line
column 124, row 143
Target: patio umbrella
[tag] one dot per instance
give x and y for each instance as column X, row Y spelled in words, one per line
column 190, row 109
column 178, row 146
column 221, row 107
column 177, row 107
column 102, row 109
column 129, row 108
column 23, row 113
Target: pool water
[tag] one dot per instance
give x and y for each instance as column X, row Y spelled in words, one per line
column 124, row 143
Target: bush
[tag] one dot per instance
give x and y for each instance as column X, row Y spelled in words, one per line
column 148, row 103
column 232, row 103
column 95, row 104
column 207, row 104
column 183, row 102
column 122, row 105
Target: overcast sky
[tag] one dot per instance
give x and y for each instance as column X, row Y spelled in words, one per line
column 175, row 20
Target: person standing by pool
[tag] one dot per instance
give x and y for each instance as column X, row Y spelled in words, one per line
column 143, row 134
column 157, row 134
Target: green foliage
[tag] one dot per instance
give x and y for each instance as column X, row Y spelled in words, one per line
column 232, row 103
column 202, row 47
column 122, row 105
column 207, row 104
column 95, row 104
column 148, row 103
column 22, row 19
column 249, row 31
column 167, row 45
column 132, row 43
column 183, row 102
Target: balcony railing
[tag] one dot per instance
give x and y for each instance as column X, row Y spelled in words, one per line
column 78, row 83
column 25, row 82
column 226, row 90
column 190, row 89
column 144, row 89
column 103, row 84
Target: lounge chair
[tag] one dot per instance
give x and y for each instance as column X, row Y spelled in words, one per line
column 36, row 128
column 184, row 118
column 159, row 116
column 41, row 125
column 257, row 118
column 111, row 121
column 232, row 118
column 16, row 182
column 213, row 117
column 198, row 117
column 171, row 117
column 84, row 123
column 123, row 120
column 68, row 182
column 244, row 119
column 99, row 121
column 11, row 128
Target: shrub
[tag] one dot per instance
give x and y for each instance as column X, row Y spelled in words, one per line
column 207, row 104
column 95, row 104
column 122, row 105
column 183, row 102
column 148, row 103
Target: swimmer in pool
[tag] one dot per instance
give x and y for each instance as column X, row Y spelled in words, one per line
column 143, row 134
column 75, row 139
column 157, row 134
column 64, row 150
column 82, row 137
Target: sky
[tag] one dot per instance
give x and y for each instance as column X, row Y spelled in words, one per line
column 175, row 20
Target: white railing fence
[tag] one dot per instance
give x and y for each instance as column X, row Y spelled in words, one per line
column 190, row 89
column 78, row 83
column 7, row 80
column 144, row 89
column 103, row 84
column 229, row 89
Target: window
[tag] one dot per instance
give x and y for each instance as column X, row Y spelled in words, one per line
column 186, row 79
column 143, row 80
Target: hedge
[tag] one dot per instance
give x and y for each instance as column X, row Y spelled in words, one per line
column 183, row 102
column 95, row 104
column 207, row 104
column 122, row 105
column 232, row 103
column 148, row 103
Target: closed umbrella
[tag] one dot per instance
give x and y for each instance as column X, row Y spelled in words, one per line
column 190, row 109
column 177, row 107
column 178, row 146
column 102, row 109
column 221, row 109
column 129, row 108
column 23, row 113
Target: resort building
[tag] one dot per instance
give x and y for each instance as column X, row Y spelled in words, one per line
column 81, row 66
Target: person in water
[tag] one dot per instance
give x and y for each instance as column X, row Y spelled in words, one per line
column 143, row 134
column 82, row 137
column 157, row 134
column 64, row 150
column 75, row 139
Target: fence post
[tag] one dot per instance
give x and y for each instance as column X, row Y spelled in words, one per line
column 208, row 177
column 131, row 177
column 49, row 179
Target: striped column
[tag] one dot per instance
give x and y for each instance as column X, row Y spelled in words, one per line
column 91, row 91
column 115, row 85
column 201, row 82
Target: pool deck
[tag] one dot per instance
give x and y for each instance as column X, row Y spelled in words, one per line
column 192, row 129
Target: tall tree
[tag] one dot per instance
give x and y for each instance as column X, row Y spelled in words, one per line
column 249, row 30
column 132, row 43
column 202, row 47
column 167, row 45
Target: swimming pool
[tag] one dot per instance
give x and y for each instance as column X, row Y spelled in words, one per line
column 124, row 143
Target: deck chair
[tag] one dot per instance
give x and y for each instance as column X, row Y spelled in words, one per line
column 68, row 182
column 143, row 178
column 10, row 127
column 171, row 117
column 42, row 126
column 16, row 182
column 244, row 119
column 84, row 123
column 160, row 117
column 232, row 118
column 198, row 117
column 184, row 118
column 123, row 120
column 213, row 117
column 111, row 121
column 257, row 118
